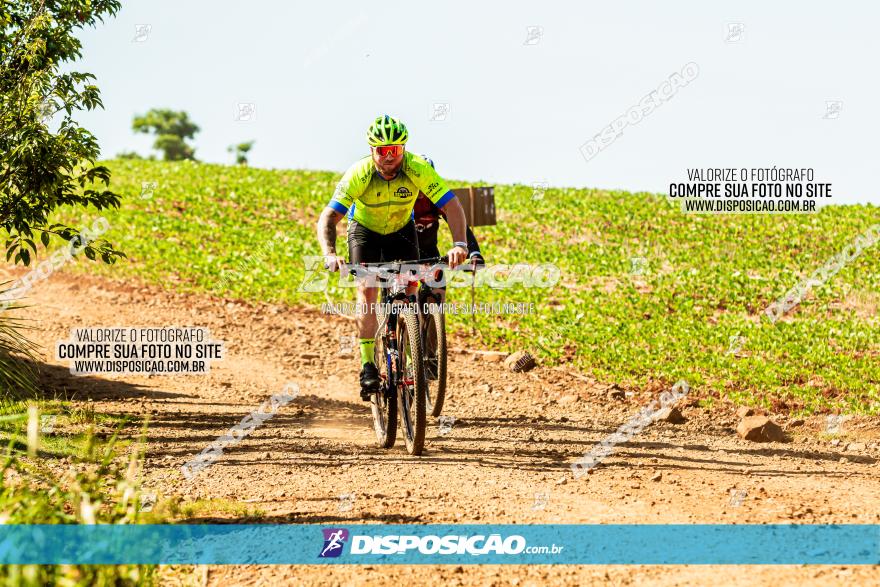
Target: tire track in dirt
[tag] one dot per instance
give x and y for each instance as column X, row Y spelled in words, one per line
column 514, row 437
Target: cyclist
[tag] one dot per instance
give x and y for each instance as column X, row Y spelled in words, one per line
column 384, row 185
column 427, row 217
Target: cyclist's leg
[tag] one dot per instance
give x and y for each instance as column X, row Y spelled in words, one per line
column 364, row 246
column 428, row 245
column 428, row 249
column 428, row 242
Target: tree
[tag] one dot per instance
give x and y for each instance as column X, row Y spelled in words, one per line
column 241, row 151
column 42, row 169
column 172, row 129
column 132, row 155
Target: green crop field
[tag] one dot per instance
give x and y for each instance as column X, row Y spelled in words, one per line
column 647, row 295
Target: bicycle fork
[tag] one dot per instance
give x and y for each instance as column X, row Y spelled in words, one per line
column 395, row 360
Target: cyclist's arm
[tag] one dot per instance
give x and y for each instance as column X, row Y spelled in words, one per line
column 455, row 218
column 327, row 230
column 330, row 217
column 473, row 245
column 347, row 191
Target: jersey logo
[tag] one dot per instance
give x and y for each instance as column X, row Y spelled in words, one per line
column 432, row 187
column 402, row 192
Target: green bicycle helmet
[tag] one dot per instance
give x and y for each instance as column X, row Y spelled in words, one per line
column 387, row 130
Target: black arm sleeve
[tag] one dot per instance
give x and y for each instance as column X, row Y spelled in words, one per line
column 473, row 246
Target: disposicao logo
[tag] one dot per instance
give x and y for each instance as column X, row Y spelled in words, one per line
column 442, row 545
column 334, row 541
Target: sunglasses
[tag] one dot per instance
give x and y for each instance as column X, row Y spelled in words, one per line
column 393, row 150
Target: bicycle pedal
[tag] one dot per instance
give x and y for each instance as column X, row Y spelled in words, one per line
column 367, row 394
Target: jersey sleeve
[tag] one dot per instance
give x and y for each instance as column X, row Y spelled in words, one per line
column 427, row 180
column 350, row 187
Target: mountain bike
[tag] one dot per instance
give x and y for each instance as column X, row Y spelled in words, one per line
column 433, row 335
column 410, row 349
column 433, row 332
column 398, row 358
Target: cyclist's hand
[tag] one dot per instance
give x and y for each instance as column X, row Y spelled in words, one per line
column 333, row 262
column 456, row 256
column 477, row 259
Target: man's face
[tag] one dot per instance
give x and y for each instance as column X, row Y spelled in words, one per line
column 388, row 159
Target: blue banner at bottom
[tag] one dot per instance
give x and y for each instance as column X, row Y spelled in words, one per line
column 773, row 544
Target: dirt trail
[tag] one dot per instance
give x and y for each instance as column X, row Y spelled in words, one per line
column 514, row 437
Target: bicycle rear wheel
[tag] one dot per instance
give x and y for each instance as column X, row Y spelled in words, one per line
column 412, row 394
column 384, row 402
column 434, row 342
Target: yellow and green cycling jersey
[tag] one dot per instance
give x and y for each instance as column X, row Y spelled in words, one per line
column 385, row 206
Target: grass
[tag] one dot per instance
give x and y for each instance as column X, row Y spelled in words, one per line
column 216, row 510
column 704, row 279
column 66, row 429
column 84, row 480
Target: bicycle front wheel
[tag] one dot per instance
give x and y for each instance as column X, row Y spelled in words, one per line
column 383, row 403
column 412, row 393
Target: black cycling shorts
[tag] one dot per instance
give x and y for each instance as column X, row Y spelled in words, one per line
column 428, row 241
column 366, row 246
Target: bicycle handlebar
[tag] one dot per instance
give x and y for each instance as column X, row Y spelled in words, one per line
column 394, row 266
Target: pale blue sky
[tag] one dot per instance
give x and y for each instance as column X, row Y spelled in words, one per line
column 318, row 73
